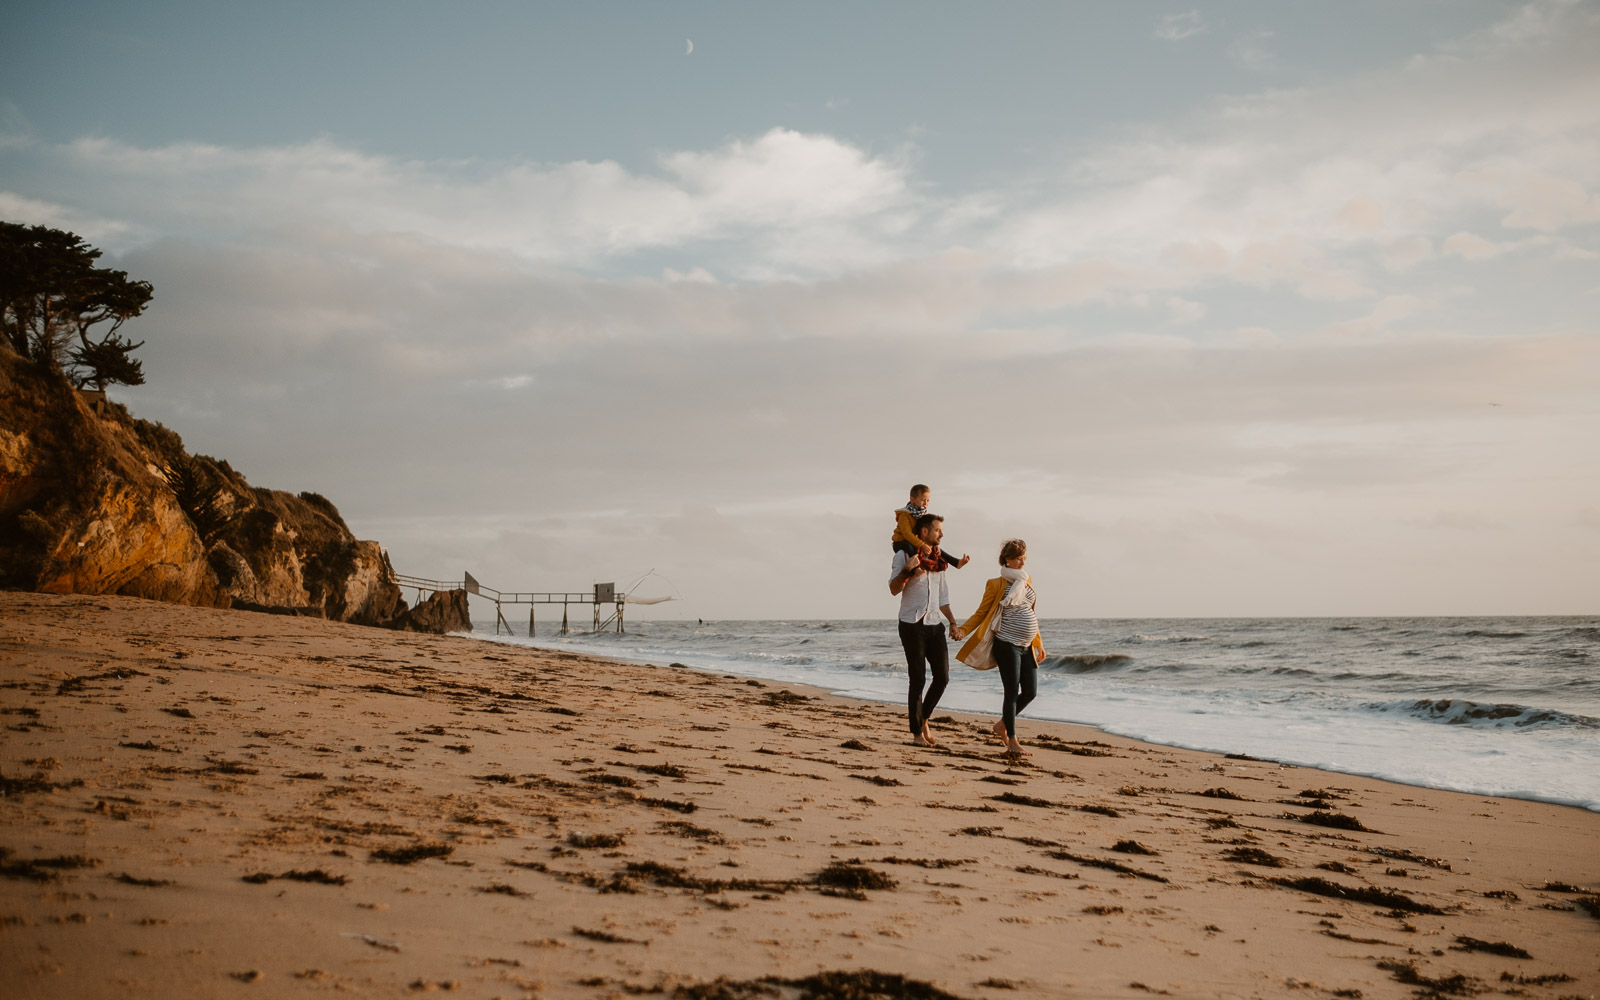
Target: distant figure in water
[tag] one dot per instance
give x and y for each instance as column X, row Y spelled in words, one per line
column 905, row 537
column 924, row 597
column 701, row 620
column 1005, row 634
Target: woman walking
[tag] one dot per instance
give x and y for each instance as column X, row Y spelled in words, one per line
column 1005, row 634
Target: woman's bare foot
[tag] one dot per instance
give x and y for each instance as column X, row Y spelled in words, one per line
column 1000, row 728
column 922, row 741
column 927, row 736
column 1013, row 747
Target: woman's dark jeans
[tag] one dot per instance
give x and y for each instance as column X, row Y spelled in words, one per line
column 1018, row 673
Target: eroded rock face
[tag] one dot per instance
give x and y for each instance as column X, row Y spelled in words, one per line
column 85, row 508
column 79, row 512
column 443, row 611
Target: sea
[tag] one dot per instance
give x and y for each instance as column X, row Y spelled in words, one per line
column 1492, row 706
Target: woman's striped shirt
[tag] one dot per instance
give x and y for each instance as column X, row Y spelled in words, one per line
column 1018, row 624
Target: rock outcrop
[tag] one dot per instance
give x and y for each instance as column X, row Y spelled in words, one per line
column 85, row 507
column 443, row 611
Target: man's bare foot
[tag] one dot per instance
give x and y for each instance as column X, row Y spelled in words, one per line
column 1013, row 747
column 922, row 741
column 1000, row 728
column 927, row 737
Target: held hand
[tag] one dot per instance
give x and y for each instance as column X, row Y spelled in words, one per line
column 957, row 633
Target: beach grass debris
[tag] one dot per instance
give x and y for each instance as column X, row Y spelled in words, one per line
column 783, row 696
column 1033, row 870
column 314, row 875
column 11, row 787
column 503, row 889
column 680, row 828
column 1222, row 793
column 996, row 983
column 146, row 745
column 672, row 804
column 860, row 984
column 878, row 779
column 979, row 831
column 410, row 854
column 216, row 766
column 590, row 840
column 1544, row 980
column 1397, row 901
column 1502, row 948
column 1012, row 798
column 617, row 780
column 853, row 875
column 1337, row 866
column 179, row 712
column 855, row 745
column 1102, row 910
column 663, row 770
column 1099, row 810
column 1132, row 847
column 996, row 779
column 925, row 862
column 1253, row 856
column 153, row 883
column 605, row 936
column 1456, row 984
column 1566, row 887
column 1505, row 894
column 1221, row 822
column 308, row 776
column 1400, row 854
column 1338, row 821
column 1109, row 865
column 42, row 869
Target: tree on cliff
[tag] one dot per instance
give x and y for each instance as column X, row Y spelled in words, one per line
column 52, row 294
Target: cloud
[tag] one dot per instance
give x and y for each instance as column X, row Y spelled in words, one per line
column 1471, row 247
column 1251, row 52
column 791, row 193
column 1176, row 27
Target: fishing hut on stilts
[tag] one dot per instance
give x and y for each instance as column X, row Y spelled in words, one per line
column 602, row 596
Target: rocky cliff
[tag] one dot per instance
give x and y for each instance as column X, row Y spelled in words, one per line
column 86, row 507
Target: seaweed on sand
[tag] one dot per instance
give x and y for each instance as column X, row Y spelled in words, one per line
column 1012, row 798
column 1504, row 948
column 411, row 853
column 860, row 984
column 853, row 875
column 1359, row 894
column 595, row 840
column 1253, row 856
column 1106, row 864
column 316, row 875
column 1338, row 821
column 1456, row 984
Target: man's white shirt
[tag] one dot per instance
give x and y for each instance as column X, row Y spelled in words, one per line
column 921, row 601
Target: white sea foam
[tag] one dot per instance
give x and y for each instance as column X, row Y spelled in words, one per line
column 1491, row 706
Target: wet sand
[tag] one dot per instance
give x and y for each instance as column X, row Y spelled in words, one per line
column 219, row 803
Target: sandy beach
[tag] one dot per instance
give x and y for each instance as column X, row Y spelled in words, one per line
column 215, row 803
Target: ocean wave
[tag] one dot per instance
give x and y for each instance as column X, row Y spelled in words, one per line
column 1460, row 712
column 1250, row 644
column 1583, row 632
column 1140, row 638
column 1086, row 663
column 1489, row 633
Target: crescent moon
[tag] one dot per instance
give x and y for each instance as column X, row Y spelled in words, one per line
column 690, row 50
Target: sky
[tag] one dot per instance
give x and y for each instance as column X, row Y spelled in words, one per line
column 1227, row 309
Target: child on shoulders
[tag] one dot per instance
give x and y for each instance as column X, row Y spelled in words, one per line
column 905, row 537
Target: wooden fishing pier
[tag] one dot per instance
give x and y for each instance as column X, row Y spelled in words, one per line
column 603, row 594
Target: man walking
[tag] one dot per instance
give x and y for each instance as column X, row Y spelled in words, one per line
column 924, row 596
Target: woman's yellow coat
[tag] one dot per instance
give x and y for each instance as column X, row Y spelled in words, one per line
column 992, row 592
